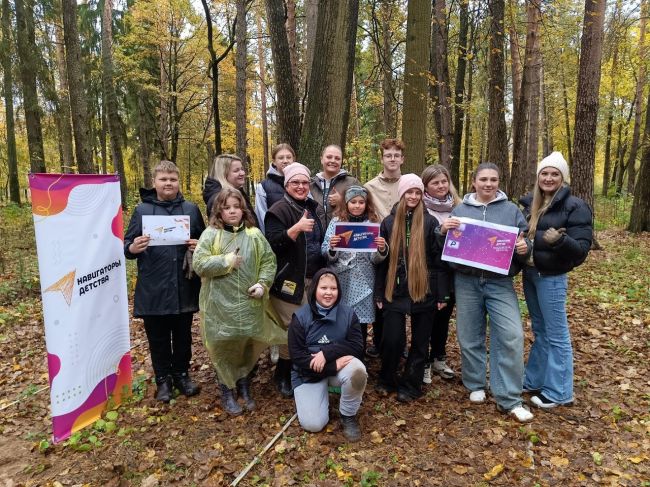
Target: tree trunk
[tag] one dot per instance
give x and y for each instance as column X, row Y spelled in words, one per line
column 261, row 59
column 414, row 113
column 311, row 23
column 29, row 66
column 330, row 87
column 622, row 149
column 516, row 68
column 567, row 124
column 440, row 89
column 78, row 103
column 287, row 111
column 290, row 25
column 498, row 140
column 610, row 114
column 387, row 80
column 640, row 215
column 241, row 32
column 584, row 137
column 547, row 132
column 528, row 114
column 143, row 142
column 467, row 166
column 638, row 109
column 110, row 96
column 7, row 85
column 459, row 90
column 103, row 130
column 64, row 101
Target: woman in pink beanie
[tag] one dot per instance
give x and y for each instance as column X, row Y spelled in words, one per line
column 410, row 281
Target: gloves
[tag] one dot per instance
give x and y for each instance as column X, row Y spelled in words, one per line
column 256, row 291
column 552, row 236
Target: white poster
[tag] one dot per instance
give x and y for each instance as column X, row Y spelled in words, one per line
column 79, row 241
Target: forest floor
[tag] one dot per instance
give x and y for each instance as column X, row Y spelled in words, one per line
column 604, row 439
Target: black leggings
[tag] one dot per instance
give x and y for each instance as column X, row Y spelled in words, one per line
column 170, row 342
column 392, row 346
column 440, row 332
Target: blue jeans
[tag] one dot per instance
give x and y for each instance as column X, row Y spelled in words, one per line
column 550, row 363
column 476, row 299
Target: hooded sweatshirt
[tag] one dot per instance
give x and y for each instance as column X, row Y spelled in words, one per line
column 335, row 332
column 500, row 211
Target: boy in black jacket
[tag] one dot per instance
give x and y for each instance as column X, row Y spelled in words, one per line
column 166, row 292
column 326, row 347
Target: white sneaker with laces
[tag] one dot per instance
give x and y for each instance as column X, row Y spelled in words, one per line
column 441, row 368
column 521, row 414
column 477, row 397
column 427, row 374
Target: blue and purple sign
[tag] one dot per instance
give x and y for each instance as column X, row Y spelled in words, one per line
column 357, row 237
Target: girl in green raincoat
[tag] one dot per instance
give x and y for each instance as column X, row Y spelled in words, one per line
column 237, row 267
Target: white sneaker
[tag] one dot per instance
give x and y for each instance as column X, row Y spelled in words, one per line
column 477, row 397
column 427, row 374
column 441, row 368
column 521, row 414
column 275, row 354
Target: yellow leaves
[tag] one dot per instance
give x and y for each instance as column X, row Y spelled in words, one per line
column 559, row 461
column 399, row 422
column 376, row 438
column 460, row 469
column 637, row 460
column 342, row 474
column 494, row 473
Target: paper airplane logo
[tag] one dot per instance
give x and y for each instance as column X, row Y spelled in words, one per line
column 346, row 236
column 65, row 285
column 493, row 240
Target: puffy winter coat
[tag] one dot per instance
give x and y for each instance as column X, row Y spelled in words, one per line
column 268, row 192
column 565, row 211
column 161, row 288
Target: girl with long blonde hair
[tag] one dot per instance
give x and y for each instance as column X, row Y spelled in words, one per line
column 411, row 281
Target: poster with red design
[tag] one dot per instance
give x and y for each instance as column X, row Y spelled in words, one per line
column 480, row 244
column 79, row 242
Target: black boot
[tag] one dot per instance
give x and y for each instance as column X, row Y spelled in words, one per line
column 243, row 390
column 351, row 428
column 164, row 391
column 185, row 385
column 282, row 377
column 228, row 401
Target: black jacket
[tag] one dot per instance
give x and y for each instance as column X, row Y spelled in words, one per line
column 211, row 190
column 336, row 333
column 297, row 259
column 439, row 274
column 274, row 187
column 161, row 288
column 565, row 211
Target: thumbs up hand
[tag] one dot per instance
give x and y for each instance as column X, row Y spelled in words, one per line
column 334, row 198
column 521, row 246
column 553, row 236
column 305, row 224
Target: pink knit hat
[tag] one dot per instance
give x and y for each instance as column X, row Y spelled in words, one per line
column 406, row 182
column 295, row 169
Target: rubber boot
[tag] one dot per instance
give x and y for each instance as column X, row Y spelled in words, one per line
column 229, row 402
column 185, row 385
column 165, row 389
column 351, row 428
column 243, row 390
column 282, row 377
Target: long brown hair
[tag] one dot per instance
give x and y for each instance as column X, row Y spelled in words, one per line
column 220, row 202
column 342, row 210
column 417, row 270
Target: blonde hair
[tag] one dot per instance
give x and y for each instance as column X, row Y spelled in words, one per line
column 165, row 166
column 538, row 207
column 415, row 254
column 221, row 167
column 220, row 201
column 436, row 170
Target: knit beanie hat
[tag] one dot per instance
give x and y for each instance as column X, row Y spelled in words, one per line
column 556, row 160
column 295, row 169
column 409, row 181
column 354, row 191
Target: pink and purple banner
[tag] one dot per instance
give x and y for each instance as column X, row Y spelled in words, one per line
column 480, row 244
column 79, row 242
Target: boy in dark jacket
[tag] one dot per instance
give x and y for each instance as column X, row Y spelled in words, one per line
column 326, row 347
column 166, row 292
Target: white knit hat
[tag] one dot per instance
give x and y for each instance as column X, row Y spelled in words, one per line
column 556, row 160
column 293, row 170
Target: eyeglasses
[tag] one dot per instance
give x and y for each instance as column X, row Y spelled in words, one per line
column 296, row 184
column 392, row 156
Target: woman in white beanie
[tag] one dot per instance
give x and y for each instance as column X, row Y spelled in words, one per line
column 410, row 281
column 560, row 226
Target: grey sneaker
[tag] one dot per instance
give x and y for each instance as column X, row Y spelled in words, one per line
column 427, row 374
column 440, row 367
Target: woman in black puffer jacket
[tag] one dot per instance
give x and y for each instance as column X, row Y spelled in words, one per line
column 560, row 226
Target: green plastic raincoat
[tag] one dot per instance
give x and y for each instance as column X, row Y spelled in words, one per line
column 236, row 328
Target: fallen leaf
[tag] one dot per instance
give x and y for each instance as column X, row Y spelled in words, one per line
column 559, row 461
column 460, row 469
column 494, row 473
column 375, row 437
column 400, row 422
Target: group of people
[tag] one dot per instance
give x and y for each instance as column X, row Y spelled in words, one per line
column 275, row 276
